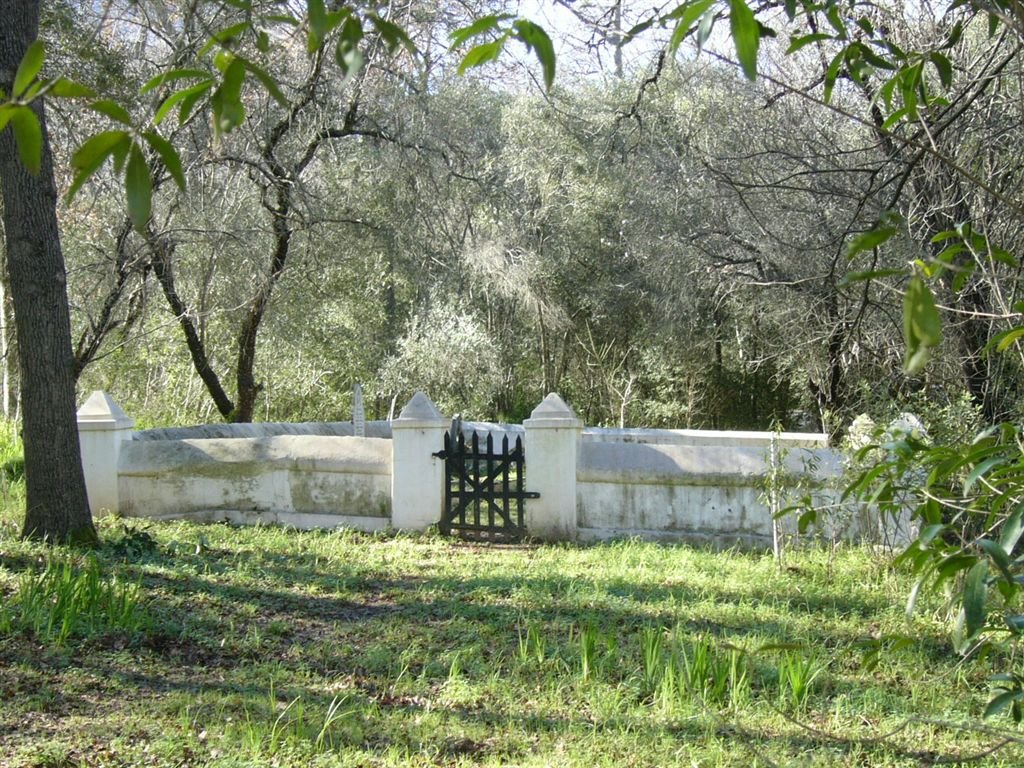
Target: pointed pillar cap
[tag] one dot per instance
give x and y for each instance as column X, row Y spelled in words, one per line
column 420, row 408
column 100, row 411
column 553, row 411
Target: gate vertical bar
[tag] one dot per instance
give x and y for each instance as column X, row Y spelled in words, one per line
column 520, row 471
column 506, row 464
column 460, row 457
column 476, row 479
column 490, row 479
column 446, row 510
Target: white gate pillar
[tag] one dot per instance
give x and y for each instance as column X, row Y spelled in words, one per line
column 102, row 427
column 417, row 477
column 552, row 440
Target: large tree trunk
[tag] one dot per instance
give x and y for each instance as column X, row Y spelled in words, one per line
column 57, row 507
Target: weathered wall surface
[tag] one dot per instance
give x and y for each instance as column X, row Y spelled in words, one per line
column 304, row 481
column 686, row 484
column 693, row 485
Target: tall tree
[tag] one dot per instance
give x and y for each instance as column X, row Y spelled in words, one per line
column 57, row 506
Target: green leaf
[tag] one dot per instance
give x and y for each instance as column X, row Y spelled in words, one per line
column 929, row 532
column 347, row 54
column 1006, row 339
column 998, row 556
column 138, row 188
column 922, row 326
column 1012, row 529
column 169, row 155
column 88, row 158
column 317, row 24
column 348, row 59
column 97, row 148
column 63, row 88
column 478, row 27
column 29, row 67
column 6, row 113
column 392, row 34
column 944, row 67
column 33, row 91
column 835, row 20
column 881, row 232
column 915, row 591
column 955, row 34
column 224, row 38
column 226, row 102
column 873, row 58
column 691, row 12
column 120, row 154
column 284, row 18
column 29, row 136
column 268, row 82
column 886, row 92
column 746, row 36
column 223, row 60
column 910, row 84
column 893, row 119
column 981, row 470
column 799, row 41
column 113, row 110
column 189, row 103
column 186, row 98
column 643, row 26
column 1003, row 256
column 975, row 588
column 481, row 54
column 947, row 255
column 537, row 40
column 807, row 519
column 1002, row 701
column 832, row 74
column 172, row 76
column 707, row 23
column 949, row 234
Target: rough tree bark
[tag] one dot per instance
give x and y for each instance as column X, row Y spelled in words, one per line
column 56, row 505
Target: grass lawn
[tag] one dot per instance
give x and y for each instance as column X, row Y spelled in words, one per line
column 210, row 645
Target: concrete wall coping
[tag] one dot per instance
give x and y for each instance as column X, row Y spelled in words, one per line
column 655, row 464
column 705, row 437
column 228, row 431
column 354, row 455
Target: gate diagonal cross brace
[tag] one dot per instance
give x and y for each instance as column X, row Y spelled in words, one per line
column 478, row 494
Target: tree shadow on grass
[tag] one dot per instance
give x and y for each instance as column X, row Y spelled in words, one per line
column 390, row 722
column 372, row 626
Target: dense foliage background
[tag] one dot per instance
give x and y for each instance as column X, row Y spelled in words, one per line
column 660, row 240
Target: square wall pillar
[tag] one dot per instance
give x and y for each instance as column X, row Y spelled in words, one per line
column 102, row 427
column 552, row 443
column 417, row 476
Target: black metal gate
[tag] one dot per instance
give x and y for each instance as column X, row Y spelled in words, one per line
column 484, row 487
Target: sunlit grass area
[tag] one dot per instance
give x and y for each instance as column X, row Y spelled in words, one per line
column 179, row 644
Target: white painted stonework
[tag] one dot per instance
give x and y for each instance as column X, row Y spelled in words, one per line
column 102, row 428
column 417, row 485
column 301, row 481
column 593, row 483
column 552, row 437
column 692, row 485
